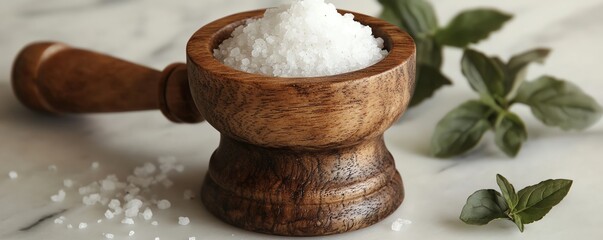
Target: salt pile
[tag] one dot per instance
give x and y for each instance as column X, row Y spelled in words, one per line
column 307, row 38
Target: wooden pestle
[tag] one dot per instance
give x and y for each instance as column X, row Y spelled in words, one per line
column 55, row 78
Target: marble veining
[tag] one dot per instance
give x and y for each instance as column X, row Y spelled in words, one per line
column 154, row 33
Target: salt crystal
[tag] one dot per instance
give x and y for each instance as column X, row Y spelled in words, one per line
column 163, row 204
column 94, row 165
column 131, row 233
column 399, row 224
column 183, row 221
column 82, row 225
column 13, row 175
column 192, row 238
column 109, row 214
column 179, row 168
column 109, row 235
column 134, row 203
column 68, row 183
column 91, row 199
column 69, row 226
column 59, row 197
column 157, row 238
column 99, row 221
column 128, row 221
column 114, row 203
column 52, row 168
column 132, row 212
column 147, row 214
column 304, row 39
column 154, row 223
column 58, row 221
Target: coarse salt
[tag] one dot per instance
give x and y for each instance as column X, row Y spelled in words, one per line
column 163, row 204
column 59, row 197
column 131, row 233
column 307, row 38
column 68, row 183
column 183, row 221
column 127, row 220
column 94, row 165
column 147, row 214
column 109, row 214
column 192, row 238
column 108, row 235
column 400, row 223
column 13, row 175
column 154, row 223
column 82, row 225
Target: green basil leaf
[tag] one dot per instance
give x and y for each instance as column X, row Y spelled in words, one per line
column 517, row 66
column 471, row 26
column 484, row 75
column 416, row 16
column 483, row 206
column 429, row 52
column 388, row 15
column 559, row 103
column 429, row 79
column 537, row 200
column 518, row 221
column 461, row 129
column 509, row 133
column 508, row 191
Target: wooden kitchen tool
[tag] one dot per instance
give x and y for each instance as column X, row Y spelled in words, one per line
column 297, row 156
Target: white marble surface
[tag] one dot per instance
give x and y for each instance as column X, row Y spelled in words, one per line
column 155, row 33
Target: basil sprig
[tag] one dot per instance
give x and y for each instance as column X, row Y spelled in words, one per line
column 554, row 102
column 419, row 19
column 526, row 206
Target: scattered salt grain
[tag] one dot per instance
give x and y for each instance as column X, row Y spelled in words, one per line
column 192, row 238
column 69, row 226
column 52, row 168
column 189, row 194
column 114, row 203
column 58, row 221
column 68, row 183
column 109, row 214
column 108, row 235
column 91, row 199
column 59, row 197
column 94, row 165
column 99, row 221
column 131, row 233
column 147, row 214
column 163, row 204
column 183, row 221
column 157, row 238
column 304, row 39
column 13, row 175
column 128, row 221
column 154, row 223
column 400, row 223
column 82, row 225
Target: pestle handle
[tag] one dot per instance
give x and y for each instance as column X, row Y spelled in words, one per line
column 55, row 78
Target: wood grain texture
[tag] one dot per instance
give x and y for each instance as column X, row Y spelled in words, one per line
column 55, row 78
column 301, row 156
column 302, row 193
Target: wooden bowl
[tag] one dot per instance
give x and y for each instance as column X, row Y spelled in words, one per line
column 301, row 156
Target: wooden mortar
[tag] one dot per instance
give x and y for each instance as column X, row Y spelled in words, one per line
column 297, row 156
